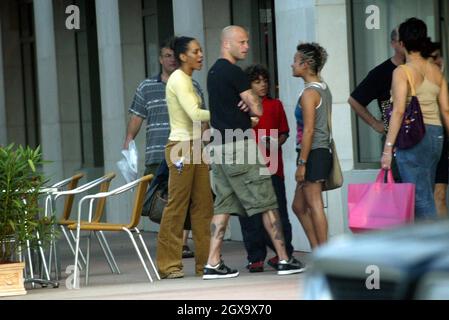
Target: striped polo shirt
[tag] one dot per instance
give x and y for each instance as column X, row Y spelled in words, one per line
column 149, row 103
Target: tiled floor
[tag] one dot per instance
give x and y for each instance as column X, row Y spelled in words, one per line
column 133, row 284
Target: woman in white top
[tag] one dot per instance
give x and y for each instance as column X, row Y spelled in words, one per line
column 188, row 186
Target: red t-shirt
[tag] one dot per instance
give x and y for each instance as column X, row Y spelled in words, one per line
column 273, row 118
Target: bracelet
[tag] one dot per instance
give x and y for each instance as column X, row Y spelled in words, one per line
column 386, row 153
column 389, row 144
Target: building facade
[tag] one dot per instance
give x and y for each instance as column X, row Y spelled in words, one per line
column 69, row 70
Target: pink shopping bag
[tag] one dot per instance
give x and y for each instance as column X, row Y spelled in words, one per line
column 380, row 205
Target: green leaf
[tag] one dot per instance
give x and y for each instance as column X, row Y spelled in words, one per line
column 12, row 225
column 30, row 162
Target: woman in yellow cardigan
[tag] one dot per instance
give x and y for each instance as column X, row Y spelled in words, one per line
column 189, row 185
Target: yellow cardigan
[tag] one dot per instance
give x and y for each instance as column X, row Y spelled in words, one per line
column 184, row 107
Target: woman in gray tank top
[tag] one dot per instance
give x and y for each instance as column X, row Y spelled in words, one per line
column 314, row 158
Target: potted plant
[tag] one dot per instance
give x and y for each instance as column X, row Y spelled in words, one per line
column 20, row 184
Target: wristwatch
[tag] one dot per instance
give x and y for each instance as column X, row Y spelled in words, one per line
column 302, row 162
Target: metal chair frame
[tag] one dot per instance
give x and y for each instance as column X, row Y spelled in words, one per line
column 130, row 228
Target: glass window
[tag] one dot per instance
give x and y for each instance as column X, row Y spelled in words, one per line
column 158, row 27
column 371, row 47
column 89, row 86
column 28, row 57
column 258, row 17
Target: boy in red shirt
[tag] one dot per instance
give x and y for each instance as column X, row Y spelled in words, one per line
column 254, row 235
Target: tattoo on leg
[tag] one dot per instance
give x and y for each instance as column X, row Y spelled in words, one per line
column 220, row 231
column 213, row 227
column 277, row 230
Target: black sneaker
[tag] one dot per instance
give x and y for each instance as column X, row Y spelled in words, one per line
column 221, row 272
column 255, row 266
column 296, row 262
column 291, row 267
column 273, row 262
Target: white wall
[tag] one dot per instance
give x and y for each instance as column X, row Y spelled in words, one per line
column 188, row 21
column 324, row 22
column 213, row 24
column 118, row 209
column 295, row 22
column 332, row 26
column 131, row 30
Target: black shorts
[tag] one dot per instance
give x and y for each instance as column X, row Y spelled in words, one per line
column 442, row 174
column 319, row 164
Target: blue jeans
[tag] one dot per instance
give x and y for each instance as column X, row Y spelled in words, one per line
column 418, row 165
column 256, row 238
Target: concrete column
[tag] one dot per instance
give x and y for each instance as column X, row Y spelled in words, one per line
column 295, row 22
column 305, row 21
column 3, row 135
column 331, row 32
column 332, row 35
column 47, row 80
column 112, row 99
column 213, row 24
column 188, row 20
column 67, row 67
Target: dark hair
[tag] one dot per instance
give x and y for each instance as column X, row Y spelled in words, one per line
column 180, row 45
column 166, row 44
column 434, row 46
column 314, row 54
column 394, row 35
column 413, row 34
column 255, row 71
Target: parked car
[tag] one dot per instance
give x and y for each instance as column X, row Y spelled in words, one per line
column 410, row 262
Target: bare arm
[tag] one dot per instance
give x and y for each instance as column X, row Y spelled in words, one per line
column 253, row 102
column 134, row 124
column 443, row 102
column 399, row 87
column 205, row 132
column 366, row 116
column 282, row 138
column 309, row 101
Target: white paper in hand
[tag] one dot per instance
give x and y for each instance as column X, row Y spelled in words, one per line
column 128, row 165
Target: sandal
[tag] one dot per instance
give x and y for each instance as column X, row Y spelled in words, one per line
column 186, row 252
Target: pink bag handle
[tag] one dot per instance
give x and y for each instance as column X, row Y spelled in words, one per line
column 385, row 176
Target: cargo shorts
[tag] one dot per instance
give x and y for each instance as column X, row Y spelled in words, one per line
column 242, row 186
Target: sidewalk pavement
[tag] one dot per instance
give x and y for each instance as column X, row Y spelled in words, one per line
column 133, row 284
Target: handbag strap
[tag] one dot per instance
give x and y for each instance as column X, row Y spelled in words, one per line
column 329, row 123
column 410, row 78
